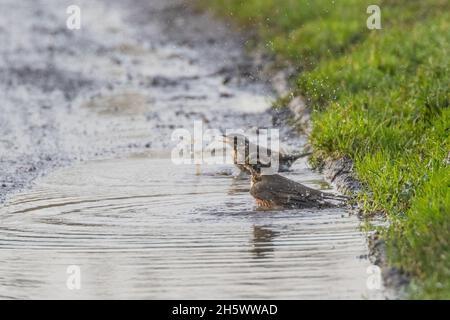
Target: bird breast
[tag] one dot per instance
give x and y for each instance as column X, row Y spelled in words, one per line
column 264, row 203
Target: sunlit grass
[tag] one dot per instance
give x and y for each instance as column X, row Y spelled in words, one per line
column 382, row 98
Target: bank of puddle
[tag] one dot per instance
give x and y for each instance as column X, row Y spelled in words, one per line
column 142, row 227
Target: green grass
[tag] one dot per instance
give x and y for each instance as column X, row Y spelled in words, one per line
column 382, row 98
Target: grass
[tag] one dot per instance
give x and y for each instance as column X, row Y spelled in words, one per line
column 380, row 97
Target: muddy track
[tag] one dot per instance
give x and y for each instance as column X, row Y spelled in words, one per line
column 70, row 95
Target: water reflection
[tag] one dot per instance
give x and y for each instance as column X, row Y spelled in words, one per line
column 262, row 241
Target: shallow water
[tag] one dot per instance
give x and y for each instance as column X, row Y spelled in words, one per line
column 144, row 228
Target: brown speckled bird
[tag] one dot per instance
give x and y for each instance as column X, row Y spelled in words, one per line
column 276, row 191
column 240, row 143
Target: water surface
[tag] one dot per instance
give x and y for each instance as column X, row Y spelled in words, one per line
column 144, row 228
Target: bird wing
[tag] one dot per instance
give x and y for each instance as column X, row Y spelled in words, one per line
column 284, row 191
column 275, row 188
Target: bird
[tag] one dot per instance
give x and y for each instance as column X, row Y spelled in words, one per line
column 241, row 144
column 277, row 192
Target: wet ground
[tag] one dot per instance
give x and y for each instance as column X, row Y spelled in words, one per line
column 86, row 177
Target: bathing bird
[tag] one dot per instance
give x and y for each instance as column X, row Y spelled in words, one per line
column 241, row 148
column 275, row 191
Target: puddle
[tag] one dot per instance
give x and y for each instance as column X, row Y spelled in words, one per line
column 145, row 228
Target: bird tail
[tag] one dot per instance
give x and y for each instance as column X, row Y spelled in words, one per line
column 291, row 158
column 335, row 196
column 341, row 199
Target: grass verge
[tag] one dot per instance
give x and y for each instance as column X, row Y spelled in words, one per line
column 382, row 98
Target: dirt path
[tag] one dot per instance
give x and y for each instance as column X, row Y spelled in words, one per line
column 102, row 103
column 73, row 95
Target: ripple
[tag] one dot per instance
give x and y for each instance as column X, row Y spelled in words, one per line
column 145, row 228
